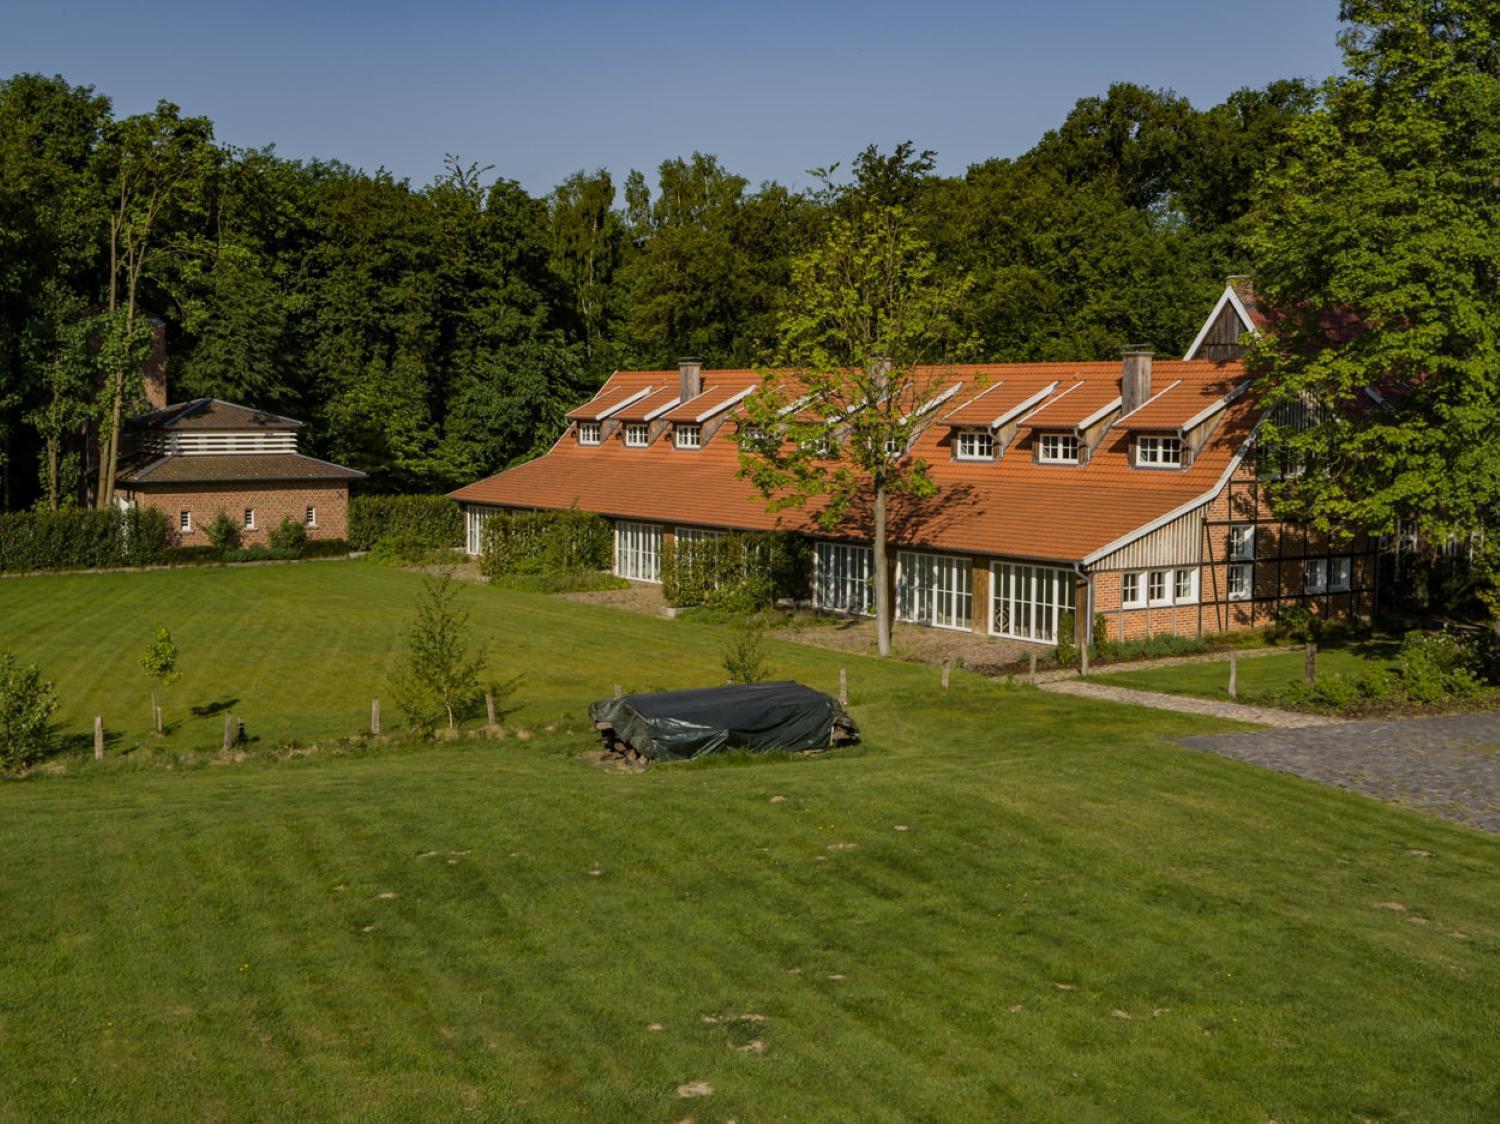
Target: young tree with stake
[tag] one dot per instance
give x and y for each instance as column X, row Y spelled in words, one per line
column 159, row 661
column 440, row 676
column 866, row 334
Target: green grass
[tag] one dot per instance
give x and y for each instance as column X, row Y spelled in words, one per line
column 214, row 943
column 1261, row 678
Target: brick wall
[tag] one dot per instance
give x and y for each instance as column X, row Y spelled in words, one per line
column 272, row 503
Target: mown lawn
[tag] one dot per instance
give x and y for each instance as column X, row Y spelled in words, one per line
column 1261, row 678
column 1080, row 919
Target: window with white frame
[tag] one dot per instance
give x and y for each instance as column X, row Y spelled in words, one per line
column 249, row 518
column 935, row 589
column 310, row 516
column 1026, row 600
column 638, row 551
column 1057, row 448
column 474, row 521
column 976, row 445
column 1158, row 452
column 590, row 433
column 1242, row 542
column 1338, row 575
column 895, row 446
column 185, row 522
column 687, row 436
column 687, row 541
column 1315, row 575
column 1241, row 575
column 821, row 446
column 843, row 578
column 635, row 434
column 1157, row 588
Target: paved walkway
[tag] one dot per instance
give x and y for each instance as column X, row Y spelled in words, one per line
column 1187, row 704
column 1447, row 766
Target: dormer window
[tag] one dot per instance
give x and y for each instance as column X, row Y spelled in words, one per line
column 1158, row 452
column 688, row 436
column 588, row 433
column 894, row 446
column 1057, row 448
column 975, row 445
column 636, row 434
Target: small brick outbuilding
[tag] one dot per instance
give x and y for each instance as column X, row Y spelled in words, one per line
column 195, row 459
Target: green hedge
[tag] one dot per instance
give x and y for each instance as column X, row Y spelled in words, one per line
column 81, row 540
column 433, row 521
column 738, row 570
column 548, row 542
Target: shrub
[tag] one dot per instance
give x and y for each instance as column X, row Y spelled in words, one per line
column 1067, row 645
column 192, row 555
column 737, row 572
column 546, row 542
column 745, row 654
column 259, row 553
column 324, row 548
column 75, row 539
column 586, row 581
column 435, row 521
column 289, row 534
column 440, row 675
column 1298, row 624
column 404, row 549
column 1435, row 666
column 26, row 705
column 223, row 532
column 1151, row 648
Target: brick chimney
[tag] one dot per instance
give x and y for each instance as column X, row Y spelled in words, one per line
column 1135, row 379
column 690, row 378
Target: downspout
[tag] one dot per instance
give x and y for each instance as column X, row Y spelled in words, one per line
column 1088, row 602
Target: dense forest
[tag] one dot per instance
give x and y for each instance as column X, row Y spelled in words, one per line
column 431, row 334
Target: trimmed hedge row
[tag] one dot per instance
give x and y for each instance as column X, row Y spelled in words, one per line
column 81, row 539
column 738, row 570
column 546, row 542
column 430, row 521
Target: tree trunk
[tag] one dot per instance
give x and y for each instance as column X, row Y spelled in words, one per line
column 882, row 576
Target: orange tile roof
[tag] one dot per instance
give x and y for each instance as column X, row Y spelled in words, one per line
column 726, row 392
column 1009, row 507
column 651, row 406
column 1080, row 401
column 992, row 404
column 610, row 398
column 1178, row 404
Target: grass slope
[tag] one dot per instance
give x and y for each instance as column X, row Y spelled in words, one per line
column 1080, row 921
column 1261, row 678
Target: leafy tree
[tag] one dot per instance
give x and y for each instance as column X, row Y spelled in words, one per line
column 223, row 532
column 587, row 243
column 27, row 702
column 159, row 662
column 1377, row 240
column 56, row 350
column 440, row 675
column 154, row 165
column 836, row 420
column 744, row 654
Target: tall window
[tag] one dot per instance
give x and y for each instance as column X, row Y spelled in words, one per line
column 935, row 589
column 310, row 517
column 1242, row 542
column 1130, row 589
column 687, row 436
column 589, row 433
column 1156, row 586
column 1315, row 575
column 1240, row 576
column 1155, row 452
column 1338, row 575
column 976, row 445
column 249, row 518
column 842, row 578
column 185, row 522
column 1058, row 448
column 635, row 434
column 638, row 551
column 1025, row 601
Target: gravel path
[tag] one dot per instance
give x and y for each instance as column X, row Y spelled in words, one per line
column 1186, row 704
column 1447, row 766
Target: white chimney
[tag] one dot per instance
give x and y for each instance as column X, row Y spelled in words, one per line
column 1135, row 379
column 690, row 378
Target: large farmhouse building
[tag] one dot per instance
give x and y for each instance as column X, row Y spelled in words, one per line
column 196, row 459
column 1125, row 492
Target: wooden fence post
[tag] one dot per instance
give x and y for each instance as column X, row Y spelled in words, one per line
column 1083, row 657
column 843, row 686
column 1310, row 672
column 947, row 669
column 98, row 738
column 618, row 692
column 489, row 707
column 375, row 717
column 1031, row 678
column 1234, row 675
column 228, row 732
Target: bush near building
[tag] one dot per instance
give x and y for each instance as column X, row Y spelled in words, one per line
column 545, row 542
column 433, row 521
column 738, row 571
column 80, row 540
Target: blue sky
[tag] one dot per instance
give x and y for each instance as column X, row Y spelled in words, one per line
column 541, row 89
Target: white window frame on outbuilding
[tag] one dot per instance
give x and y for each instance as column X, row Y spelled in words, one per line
column 249, row 519
column 1242, row 542
column 590, row 432
column 638, row 551
column 1158, row 452
column 843, row 578
column 637, row 435
column 975, row 445
column 310, row 516
column 687, row 436
column 1159, row 587
column 1241, row 581
column 1026, row 600
column 185, row 522
column 1057, row 448
column 935, row 589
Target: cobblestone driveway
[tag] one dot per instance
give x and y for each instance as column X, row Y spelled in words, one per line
column 1448, row 766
